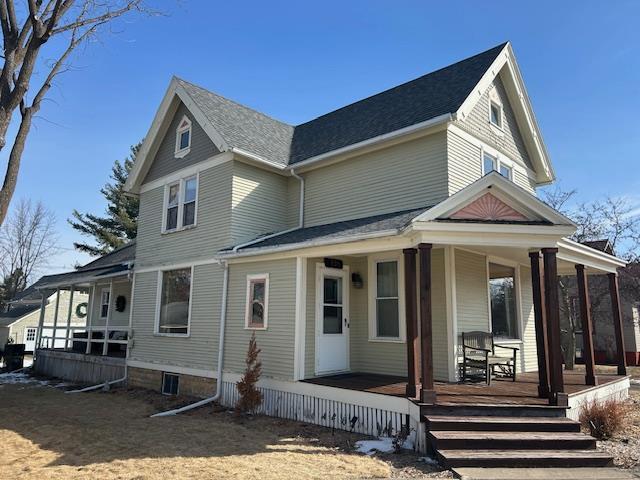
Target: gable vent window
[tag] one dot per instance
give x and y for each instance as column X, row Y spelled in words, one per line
column 170, row 383
column 181, row 200
column 183, row 137
column 495, row 114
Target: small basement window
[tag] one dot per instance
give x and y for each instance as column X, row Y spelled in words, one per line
column 495, row 114
column 170, row 382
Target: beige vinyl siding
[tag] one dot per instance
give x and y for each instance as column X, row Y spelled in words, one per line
column 200, row 349
column 405, row 176
column 465, row 163
column 120, row 288
column 258, row 203
column 370, row 356
column 529, row 351
column 211, row 233
column 17, row 330
column 165, row 162
column 472, row 292
column 477, row 123
column 277, row 341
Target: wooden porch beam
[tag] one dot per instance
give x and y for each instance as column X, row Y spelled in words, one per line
column 614, row 291
column 427, row 393
column 552, row 309
column 411, row 314
column 587, row 325
column 542, row 343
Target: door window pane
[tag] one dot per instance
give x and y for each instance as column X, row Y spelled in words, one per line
column 504, row 320
column 333, row 290
column 332, row 319
column 174, row 301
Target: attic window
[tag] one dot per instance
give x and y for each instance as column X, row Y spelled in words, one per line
column 495, row 114
column 183, row 137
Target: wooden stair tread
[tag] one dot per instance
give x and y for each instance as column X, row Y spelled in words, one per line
column 506, row 420
column 537, row 454
column 472, row 435
column 542, row 473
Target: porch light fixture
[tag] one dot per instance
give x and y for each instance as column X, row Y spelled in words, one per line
column 356, row 280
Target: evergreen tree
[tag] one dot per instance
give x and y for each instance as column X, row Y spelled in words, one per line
column 120, row 224
column 11, row 285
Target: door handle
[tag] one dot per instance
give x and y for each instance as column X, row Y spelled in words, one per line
column 346, row 323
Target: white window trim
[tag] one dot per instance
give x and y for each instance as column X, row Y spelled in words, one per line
column 497, row 104
column 500, row 160
column 164, row 374
column 181, row 194
column 247, row 309
column 519, row 326
column 156, row 327
column 102, row 290
column 373, row 330
column 182, row 152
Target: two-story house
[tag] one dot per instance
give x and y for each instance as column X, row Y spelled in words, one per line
column 357, row 247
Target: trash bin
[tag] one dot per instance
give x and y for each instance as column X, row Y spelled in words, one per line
column 14, row 356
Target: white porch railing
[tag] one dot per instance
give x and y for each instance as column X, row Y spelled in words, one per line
column 60, row 336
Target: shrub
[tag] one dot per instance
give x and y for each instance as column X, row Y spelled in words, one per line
column 250, row 397
column 603, row 418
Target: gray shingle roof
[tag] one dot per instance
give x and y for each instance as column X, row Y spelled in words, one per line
column 242, row 127
column 7, row 318
column 341, row 230
column 413, row 102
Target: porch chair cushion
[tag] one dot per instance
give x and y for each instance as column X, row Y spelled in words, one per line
column 479, row 359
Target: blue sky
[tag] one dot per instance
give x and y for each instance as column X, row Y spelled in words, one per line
column 297, row 60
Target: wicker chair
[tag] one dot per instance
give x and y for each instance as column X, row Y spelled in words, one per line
column 479, row 359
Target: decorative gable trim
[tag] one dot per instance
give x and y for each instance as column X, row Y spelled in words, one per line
column 503, row 190
column 488, row 207
column 159, row 128
column 506, row 63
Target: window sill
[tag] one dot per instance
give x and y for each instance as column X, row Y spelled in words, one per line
column 176, row 335
column 386, row 340
column 176, row 230
column 508, row 341
column 182, row 153
column 496, row 129
column 255, row 328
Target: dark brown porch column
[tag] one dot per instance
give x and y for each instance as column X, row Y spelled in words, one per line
column 552, row 309
column 587, row 326
column 617, row 323
column 411, row 314
column 427, row 393
column 542, row 345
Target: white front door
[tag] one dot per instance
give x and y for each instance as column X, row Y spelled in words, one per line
column 332, row 320
column 30, row 339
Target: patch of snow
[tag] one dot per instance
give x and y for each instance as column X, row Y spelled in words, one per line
column 383, row 444
column 21, row 378
column 634, row 381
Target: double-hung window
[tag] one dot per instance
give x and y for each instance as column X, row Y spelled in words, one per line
column 180, row 204
column 174, row 301
column 502, row 294
column 256, row 308
column 183, row 137
column 386, row 323
column 495, row 114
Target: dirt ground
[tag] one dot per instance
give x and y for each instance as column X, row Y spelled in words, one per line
column 47, row 434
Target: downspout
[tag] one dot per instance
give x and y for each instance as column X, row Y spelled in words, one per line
column 223, row 321
column 301, row 212
column 106, row 385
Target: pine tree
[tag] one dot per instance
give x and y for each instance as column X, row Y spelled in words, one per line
column 250, row 397
column 11, row 285
column 120, row 224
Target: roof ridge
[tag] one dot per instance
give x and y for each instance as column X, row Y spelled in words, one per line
column 234, row 102
column 395, row 87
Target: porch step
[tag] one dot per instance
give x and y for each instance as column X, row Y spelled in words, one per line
column 489, row 410
column 577, row 473
column 523, row 458
column 501, row 424
column 452, row 440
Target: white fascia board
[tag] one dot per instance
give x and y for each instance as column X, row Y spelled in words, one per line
column 258, row 160
column 380, row 140
column 522, row 108
column 158, row 128
column 577, row 253
column 502, row 185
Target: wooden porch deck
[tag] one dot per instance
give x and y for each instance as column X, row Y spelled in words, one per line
column 524, row 391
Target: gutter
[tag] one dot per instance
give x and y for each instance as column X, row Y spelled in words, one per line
column 223, row 321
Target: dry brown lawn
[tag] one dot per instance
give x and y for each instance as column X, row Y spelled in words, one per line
column 46, row 434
